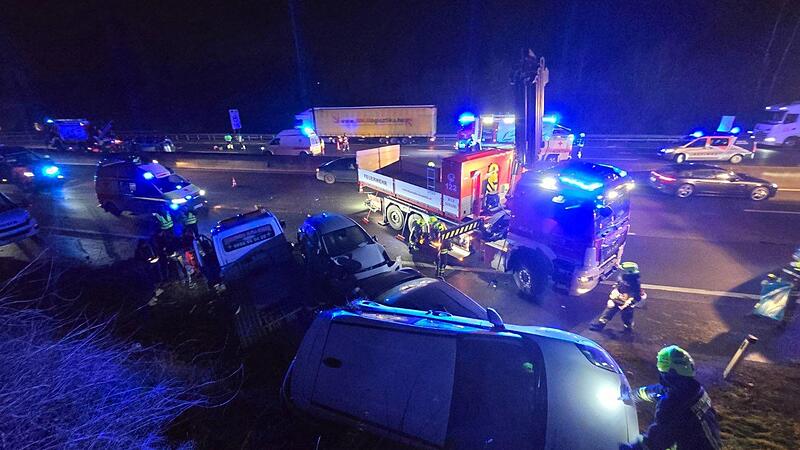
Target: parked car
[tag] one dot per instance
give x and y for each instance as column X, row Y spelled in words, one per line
column 407, row 288
column 686, row 180
column 27, row 169
column 329, row 241
column 710, row 148
column 150, row 144
column 441, row 381
column 16, row 223
column 341, row 170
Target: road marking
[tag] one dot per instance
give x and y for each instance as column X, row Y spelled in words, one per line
column 781, row 174
column 686, row 290
column 92, row 233
column 788, row 190
column 771, row 211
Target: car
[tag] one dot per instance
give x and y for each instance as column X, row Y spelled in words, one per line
column 340, row 169
column 431, row 379
column 710, row 148
column 688, row 179
column 328, row 240
column 407, row 288
column 16, row 223
column 150, row 144
column 27, row 169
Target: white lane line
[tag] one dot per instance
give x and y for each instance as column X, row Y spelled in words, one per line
column 74, row 231
column 781, row 174
column 780, row 189
column 771, row 211
column 686, row 290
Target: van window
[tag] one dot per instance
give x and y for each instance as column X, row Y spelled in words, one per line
column 790, row 118
column 719, row 142
column 498, row 394
column 698, row 143
column 276, row 141
column 248, row 237
column 170, row 183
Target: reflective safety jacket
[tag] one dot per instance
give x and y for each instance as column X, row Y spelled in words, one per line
column 164, row 221
column 684, row 419
column 190, row 218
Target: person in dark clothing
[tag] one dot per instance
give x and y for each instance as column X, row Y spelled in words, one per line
column 623, row 299
column 684, row 416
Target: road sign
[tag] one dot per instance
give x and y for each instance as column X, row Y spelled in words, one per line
column 236, row 124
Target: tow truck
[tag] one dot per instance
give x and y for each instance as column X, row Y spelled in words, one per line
column 567, row 224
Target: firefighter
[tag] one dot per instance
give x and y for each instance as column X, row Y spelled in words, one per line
column 436, row 228
column 624, row 298
column 418, row 234
column 190, row 223
column 228, row 142
column 163, row 240
column 345, row 143
column 684, row 416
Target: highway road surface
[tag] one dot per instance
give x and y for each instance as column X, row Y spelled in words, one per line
column 702, row 259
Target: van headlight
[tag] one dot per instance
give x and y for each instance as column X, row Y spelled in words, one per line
column 769, row 139
column 28, row 174
column 178, row 201
column 202, row 192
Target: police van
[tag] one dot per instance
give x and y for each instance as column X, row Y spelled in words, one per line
column 129, row 184
column 16, row 223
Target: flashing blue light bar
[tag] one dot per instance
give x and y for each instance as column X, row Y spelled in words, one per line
column 550, row 119
column 735, row 130
column 307, row 131
column 148, row 176
column 49, row 121
column 593, row 186
column 697, row 134
column 50, row 171
column 188, row 197
column 174, row 206
column 466, row 118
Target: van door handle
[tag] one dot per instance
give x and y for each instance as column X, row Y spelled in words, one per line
column 333, row 363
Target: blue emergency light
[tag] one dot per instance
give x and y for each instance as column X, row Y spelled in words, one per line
column 307, row 131
column 550, row 119
column 735, row 130
column 697, row 134
column 466, row 118
column 50, row 171
column 586, row 186
column 148, row 176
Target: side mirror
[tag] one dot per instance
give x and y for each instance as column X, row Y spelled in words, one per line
column 374, row 237
column 282, row 223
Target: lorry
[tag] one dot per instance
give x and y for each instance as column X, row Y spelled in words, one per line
column 383, row 124
column 780, row 126
column 566, row 225
column 80, row 135
column 250, row 263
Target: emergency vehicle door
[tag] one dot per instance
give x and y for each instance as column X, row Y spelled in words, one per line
column 477, row 193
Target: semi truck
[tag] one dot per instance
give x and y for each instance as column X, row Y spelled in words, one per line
column 565, row 226
column 383, row 124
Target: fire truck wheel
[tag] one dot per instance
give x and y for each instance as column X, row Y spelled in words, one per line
column 395, row 217
column 530, row 277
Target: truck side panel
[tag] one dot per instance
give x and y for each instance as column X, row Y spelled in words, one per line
column 376, row 122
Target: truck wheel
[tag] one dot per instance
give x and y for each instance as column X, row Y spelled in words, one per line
column 530, row 276
column 736, row 159
column 395, row 217
column 329, row 178
column 680, row 158
column 404, row 141
column 792, row 141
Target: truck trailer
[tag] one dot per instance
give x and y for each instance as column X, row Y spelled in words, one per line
column 383, row 124
column 564, row 226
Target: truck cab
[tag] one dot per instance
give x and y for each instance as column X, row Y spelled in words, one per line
column 132, row 185
column 781, row 126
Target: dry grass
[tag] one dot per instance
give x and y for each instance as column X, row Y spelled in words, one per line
column 68, row 383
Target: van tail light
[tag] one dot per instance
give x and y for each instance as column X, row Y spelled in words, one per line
column 662, row 178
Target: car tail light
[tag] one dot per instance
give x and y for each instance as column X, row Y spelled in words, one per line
column 663, row 178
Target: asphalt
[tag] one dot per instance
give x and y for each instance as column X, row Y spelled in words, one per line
column 702, row 259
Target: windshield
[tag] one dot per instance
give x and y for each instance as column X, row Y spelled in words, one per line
column 345, row 240
column 773, row 116
column 170, row 183
column 24, row 157
column 6, row 204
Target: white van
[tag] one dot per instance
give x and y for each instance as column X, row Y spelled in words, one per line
column 781, row 127
column 294, row 142
column 434, row 380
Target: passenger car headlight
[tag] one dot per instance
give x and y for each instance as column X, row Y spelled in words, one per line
column 28, row 174
column 774, row 185
column 178, row 201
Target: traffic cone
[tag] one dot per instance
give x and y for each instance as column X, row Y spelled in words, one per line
column 233, row 182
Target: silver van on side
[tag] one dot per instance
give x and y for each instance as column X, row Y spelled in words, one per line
column 441, row 381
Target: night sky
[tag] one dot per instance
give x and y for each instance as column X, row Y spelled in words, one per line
column 653, row 67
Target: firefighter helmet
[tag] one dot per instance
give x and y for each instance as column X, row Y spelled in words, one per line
column 674, row 358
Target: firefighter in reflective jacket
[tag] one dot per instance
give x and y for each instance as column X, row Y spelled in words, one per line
column 163, row 239
column 623, row 299
column 684, row 416
column 190, row 223
column 418, row 235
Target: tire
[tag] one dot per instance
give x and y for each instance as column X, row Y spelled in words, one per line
column 110, row 207
column 685, row 190
column 680, row 158
column 303, row 154
column 394, row 140
column 329, row 178
column 268, row 153
column 792, row 141
column 735, row 159
column 530, row 276
column 395, row 217
column 759, row 194
column 404, row 141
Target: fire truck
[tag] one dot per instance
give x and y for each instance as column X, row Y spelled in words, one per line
column 564, row 226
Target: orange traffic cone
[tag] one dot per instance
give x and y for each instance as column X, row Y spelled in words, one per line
column 233, row 182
